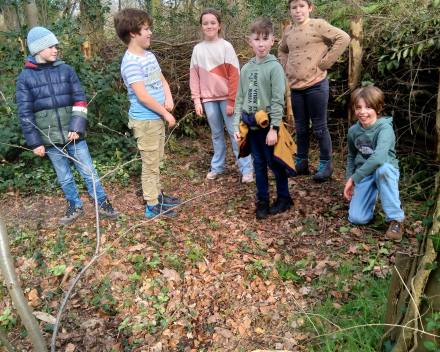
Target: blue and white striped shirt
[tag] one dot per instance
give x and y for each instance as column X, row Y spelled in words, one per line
column 142, row 69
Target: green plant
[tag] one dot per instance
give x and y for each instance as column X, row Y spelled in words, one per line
column 7, row 320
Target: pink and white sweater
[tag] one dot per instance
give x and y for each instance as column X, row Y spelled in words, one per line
column 214, row 72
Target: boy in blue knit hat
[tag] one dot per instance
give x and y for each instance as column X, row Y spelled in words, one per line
column 52, row 110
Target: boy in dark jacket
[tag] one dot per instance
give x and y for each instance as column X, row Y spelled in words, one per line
column 52, row 110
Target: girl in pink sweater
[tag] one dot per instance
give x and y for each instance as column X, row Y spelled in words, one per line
column 214, row 75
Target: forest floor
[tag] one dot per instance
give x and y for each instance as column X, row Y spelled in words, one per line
column 212, row 279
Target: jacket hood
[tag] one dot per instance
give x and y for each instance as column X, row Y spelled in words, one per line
column 267, row 59
column 379, row 123
column 31, row 62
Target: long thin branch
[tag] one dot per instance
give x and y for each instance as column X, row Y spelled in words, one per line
column 5, row 341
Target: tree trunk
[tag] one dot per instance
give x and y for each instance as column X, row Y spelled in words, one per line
column 17, row 296
column 437, row 123
column 355, row 58
column 30, row 10
column 288, row 104
column 410, row 310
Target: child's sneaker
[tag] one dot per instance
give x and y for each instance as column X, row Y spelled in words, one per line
column 262, row 209
column 159, row 210
column 395, row 231
column 72, row 214
column 249, row 177
column 325, row 171
column 212, row 175
column 281, row 205
column 106, row 209
column 301, row 166
column 168, row 201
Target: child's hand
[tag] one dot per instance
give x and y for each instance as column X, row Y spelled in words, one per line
column 72, row 135
column 168, row 104
column 237, row 136
column 199, row 110
column 229, row 110
column 170, row 118
column 40, row 151
column 349, row 189
column 272, row 137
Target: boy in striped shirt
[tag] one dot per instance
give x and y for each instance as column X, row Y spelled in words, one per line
column 151, row 103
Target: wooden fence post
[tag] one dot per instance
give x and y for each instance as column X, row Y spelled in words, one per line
column 355, row 57
column 289, row 113
column 437, row 124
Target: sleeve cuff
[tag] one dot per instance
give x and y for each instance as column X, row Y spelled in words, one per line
column 197, row 101
column 356, row 178
column 231, row 102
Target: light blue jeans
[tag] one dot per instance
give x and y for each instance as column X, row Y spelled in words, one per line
column 79, row 152
column 383, row 180
column 216, row 114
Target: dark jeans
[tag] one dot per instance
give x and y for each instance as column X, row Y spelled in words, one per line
column 311, row 104
column 263, row 157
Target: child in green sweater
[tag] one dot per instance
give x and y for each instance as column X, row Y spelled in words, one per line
column 372, row 166
column 261, row 89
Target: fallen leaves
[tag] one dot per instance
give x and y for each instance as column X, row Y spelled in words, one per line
column 33, row 298
column 171, row 274
column 44, row 317
column 223, row 332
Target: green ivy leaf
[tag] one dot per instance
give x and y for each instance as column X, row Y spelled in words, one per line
column 435, row 241
column 436, row 3
column 419, row 238
column 430, row 43
column 427, row 222
column 405, row 53
column 420, row 48
column 431, row 266
column 429, row 345
column 431, row 325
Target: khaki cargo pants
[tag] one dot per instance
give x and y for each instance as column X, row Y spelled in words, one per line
column 150, row 136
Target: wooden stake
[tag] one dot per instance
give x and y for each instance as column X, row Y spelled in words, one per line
column 437, row 124
column 288, row 104
column 355, row 57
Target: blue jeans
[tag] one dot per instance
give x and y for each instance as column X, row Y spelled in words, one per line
column 311, row 104
column 216, row 114
column 263, row 157
column 383, row 180
column 79, row 152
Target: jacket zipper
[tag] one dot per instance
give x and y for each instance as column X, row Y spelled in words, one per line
column 53, row 101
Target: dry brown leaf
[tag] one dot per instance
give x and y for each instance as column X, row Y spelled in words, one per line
column 336, row 305
column 33, row 297
column 224, row 332
column 277, row 256
column 336, row 294
column 353, row 249
column 70, row 347
column 267, row 309
column 271, row 250
column 172, row 343
column 137, row 247
column 355, row 231
column 202, row 268
column 305, row 290
column 171, row 274
column 44, row 317
column 259, row 331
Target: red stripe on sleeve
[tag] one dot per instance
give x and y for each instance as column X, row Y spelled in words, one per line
column 81, row 104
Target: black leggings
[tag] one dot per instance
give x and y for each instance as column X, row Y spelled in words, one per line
column 311, row 104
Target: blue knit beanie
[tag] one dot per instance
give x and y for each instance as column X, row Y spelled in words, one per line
column 40, row 38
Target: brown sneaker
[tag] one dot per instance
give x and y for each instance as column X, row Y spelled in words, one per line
column 395, row 230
